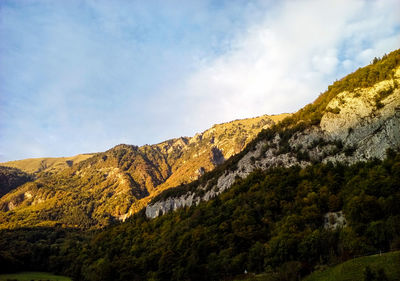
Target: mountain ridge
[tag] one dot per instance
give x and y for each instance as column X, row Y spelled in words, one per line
column 46, row 164
column 352, row 121
column 120, row 181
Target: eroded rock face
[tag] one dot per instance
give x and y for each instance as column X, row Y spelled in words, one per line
column 163, row 207
column 366, row 122
column 357, row 126
column 334, row 220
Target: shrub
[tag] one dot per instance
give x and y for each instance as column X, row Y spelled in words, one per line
column 335, row 110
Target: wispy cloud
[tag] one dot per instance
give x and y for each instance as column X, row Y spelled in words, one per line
column 81, row 76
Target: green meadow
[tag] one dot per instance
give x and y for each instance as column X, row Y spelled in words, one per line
column 353, row 270
column 28, row 276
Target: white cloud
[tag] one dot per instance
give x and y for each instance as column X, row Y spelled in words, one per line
column 287, row 59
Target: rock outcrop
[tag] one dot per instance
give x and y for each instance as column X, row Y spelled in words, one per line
column 334, row 220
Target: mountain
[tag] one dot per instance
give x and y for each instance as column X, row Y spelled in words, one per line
column 117, row 183
column 356, row 119
column 316, row 189
column 50, row 165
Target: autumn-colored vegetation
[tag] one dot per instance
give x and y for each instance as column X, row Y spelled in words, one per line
column 105, row 187
column 46, row 164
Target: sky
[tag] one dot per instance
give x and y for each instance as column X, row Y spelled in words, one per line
column 84, row 76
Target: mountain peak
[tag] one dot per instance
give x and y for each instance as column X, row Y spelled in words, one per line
column 124, row 146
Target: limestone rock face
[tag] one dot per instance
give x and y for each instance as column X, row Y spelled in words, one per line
column 163, row 207
column 356, row 126
column 365, row 121
column 334, row 220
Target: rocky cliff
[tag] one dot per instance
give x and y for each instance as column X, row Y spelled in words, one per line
column 355, row 124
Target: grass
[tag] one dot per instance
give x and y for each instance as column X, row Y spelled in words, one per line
column 353, row 270
column 28, row 276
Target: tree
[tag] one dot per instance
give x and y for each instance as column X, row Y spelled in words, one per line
column 256, row 257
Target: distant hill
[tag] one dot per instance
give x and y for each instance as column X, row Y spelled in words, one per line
column 48, row 164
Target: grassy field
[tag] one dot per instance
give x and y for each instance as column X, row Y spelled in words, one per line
column 28, row 276
column 353, row 270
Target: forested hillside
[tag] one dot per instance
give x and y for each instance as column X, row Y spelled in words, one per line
column 282, row 221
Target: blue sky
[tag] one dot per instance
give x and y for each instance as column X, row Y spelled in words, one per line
column 83, row 76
